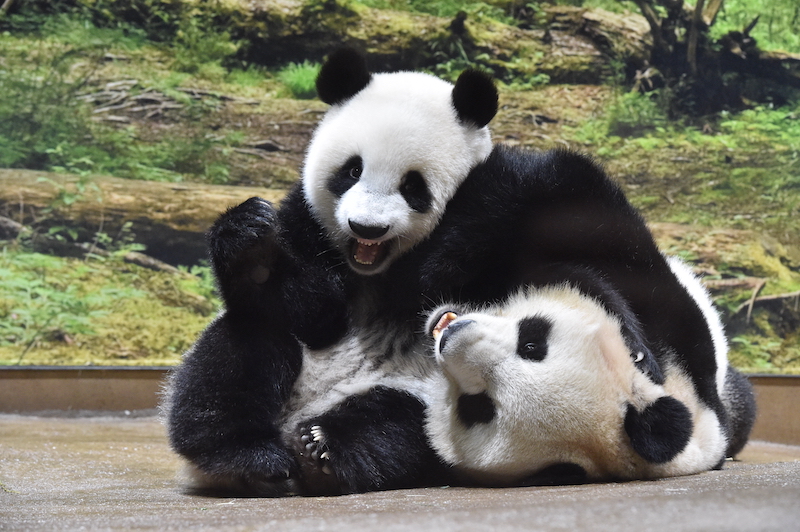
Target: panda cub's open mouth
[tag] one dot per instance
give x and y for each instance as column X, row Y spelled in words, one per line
column 369, row 255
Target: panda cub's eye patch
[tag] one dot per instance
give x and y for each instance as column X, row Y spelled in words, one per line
column 532, row 338
column 347, row 176
column 415, row 191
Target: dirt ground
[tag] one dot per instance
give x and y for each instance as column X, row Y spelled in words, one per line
column 112, row 473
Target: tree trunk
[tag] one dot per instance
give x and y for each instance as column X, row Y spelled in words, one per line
column 169, row 219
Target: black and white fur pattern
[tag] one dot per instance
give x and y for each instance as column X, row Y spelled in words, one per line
column 542, row 388
column 312, row 379
column 313, row 285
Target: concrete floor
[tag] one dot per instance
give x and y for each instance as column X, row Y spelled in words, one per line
column 102, row 473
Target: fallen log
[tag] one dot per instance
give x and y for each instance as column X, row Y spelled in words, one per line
column 169, row 219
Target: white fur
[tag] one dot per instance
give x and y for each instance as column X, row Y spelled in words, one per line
column 400, row 122
column 692, row 284
column 568, row 408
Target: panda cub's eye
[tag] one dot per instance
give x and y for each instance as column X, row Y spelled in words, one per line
column 532, row 339
column 347, row 176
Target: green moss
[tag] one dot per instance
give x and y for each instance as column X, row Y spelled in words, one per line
column 68, row 311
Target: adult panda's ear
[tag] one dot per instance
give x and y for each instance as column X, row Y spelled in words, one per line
column 661, row 431
column 475, row 98
column 343, row 75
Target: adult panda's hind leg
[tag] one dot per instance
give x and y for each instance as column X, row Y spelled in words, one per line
column 740, row 404
column 372, row 441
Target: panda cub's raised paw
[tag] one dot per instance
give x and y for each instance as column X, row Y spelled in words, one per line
column 241, row 236
column 245, row 253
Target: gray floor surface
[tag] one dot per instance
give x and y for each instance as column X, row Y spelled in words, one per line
column 117, row 473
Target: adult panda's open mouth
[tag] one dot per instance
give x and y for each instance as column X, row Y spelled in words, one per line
column 369, row 255
column 441, row 322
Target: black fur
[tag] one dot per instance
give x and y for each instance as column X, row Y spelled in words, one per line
column 223, row 413
column 475, row 408
column 343, row 75
column 415, row 191
column 532, row 338
column 475, row 98
column 538, row 218
column 347, row 176
column 278, row 285
column 376, row 441
column 741, row 405
column 520, row 218
column 661, row 431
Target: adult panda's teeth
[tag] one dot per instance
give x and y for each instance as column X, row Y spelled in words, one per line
column 446, row 319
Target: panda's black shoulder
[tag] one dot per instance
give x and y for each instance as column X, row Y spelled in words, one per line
column 528, row 174
column 300, row 231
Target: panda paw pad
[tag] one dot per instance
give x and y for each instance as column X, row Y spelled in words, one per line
column 316, row 449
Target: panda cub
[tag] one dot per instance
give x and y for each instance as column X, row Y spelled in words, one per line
column 543, row 389
column 311, row 380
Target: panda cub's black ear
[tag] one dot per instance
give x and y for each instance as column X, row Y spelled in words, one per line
column 343, row 75
column 475, row 98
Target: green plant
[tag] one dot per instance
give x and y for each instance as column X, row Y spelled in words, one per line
column 38, row 304
column 300, row 79
column 40, row 112
column 202, row 51
column 98, row 311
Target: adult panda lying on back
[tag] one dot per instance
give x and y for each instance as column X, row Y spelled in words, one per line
column 334, row 283
column 541, row 388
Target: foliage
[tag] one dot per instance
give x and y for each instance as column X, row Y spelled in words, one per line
column 105, row 310
column 39, row 109
column 443, row 8
column 300, row 79
column 199, row 49
column 778, row 26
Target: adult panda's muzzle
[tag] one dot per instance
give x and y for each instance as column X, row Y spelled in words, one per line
column 446, row 326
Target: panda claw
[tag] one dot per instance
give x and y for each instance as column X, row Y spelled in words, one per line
column 314, row 450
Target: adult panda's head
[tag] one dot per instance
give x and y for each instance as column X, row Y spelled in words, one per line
column 544, row 382
column 390, row 153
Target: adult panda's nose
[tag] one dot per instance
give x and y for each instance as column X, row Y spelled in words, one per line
column 368, row 232
column 452, row 329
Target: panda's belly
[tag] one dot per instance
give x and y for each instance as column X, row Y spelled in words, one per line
column 363, row 359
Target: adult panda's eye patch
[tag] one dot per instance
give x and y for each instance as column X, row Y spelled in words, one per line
column 532, row 338
column 347, row 176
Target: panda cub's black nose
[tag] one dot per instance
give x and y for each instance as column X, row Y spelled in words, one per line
column 368, row 232
column 451, row 329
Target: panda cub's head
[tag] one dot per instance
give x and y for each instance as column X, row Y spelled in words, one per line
column 545, row 380
column 390, row 153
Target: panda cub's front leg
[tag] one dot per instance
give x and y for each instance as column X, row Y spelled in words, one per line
column 372, row 441
column 244, row 252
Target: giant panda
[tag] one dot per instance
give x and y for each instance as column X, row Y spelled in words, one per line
column 541, row 388
column 315, row 377
column 320, row 327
